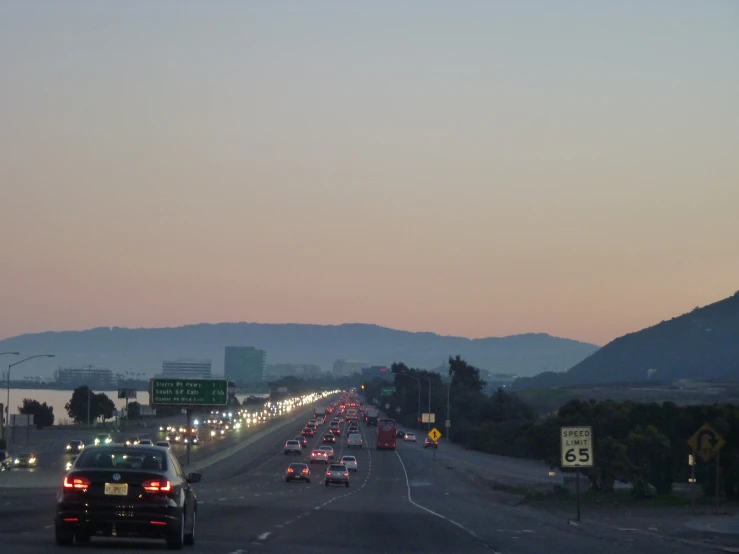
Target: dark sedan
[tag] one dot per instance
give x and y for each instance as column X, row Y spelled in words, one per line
column 127, row 491
column 298, row 472
column 329, row 439
column 25, row 459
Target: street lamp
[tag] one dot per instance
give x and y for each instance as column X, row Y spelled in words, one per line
column 10, row 354
column 7, row 406
column 428, row 422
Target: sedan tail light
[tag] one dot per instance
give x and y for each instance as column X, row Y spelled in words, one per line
column 289, row 470
column 346, row 475
column 157, row 485
column 76, row 483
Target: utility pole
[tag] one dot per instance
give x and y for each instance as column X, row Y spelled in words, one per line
column 428, row 422
column 448, row 420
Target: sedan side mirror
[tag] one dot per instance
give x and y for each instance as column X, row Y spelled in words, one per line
column 194, row 477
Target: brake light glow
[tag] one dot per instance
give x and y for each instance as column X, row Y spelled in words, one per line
column 289, row 470
column 71, row 519
column 346, row 475
column 77, row 483
column 157, row 485
column 159, row 523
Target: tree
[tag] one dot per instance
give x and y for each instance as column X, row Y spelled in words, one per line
column 43, row 415
column 134, row 411
column 103, row 406
column 77, row 407
column 465, row 375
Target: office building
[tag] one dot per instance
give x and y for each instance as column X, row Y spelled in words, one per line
column 94, row 377
column 377, row 372
column 348, row 367
column 187, row 368
column 245, row 365
column 303, row 371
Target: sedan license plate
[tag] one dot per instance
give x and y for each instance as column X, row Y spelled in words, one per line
column 116, row 489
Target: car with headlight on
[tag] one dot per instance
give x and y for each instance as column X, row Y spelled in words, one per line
column 191, row 439
column 25, row 459
column 103, row 439
column 6, row 460
column 337, row 473
column 117, row 490
column 70, row 463
column 319, row 456
column 131, row 441
column 74, row 447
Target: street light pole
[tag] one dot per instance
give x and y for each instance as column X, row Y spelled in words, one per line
column 6, row 415
column 448, row 407
column 7, row 406
column 428, row 417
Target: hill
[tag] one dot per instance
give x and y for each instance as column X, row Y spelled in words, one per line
column 142, row 350
column 702, row 344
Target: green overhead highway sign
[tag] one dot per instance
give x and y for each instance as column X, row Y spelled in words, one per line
column 188, row 392
column 388, row 391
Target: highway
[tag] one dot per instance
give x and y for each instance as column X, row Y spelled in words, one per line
column 399, row 502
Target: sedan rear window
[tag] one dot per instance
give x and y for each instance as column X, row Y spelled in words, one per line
column 333, row 467
column 121, row 458
column 348, row 459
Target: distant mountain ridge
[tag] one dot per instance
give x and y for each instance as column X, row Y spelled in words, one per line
column 701, row 344
column 143, row 350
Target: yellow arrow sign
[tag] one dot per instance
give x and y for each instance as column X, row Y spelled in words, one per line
column 706, row 442
column 434, row 434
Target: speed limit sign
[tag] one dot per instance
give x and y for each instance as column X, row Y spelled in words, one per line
column 577, row 446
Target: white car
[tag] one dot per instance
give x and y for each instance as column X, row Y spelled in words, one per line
column 165, row 444
column 354, row 440
column 145, row 442
column 329, row 451
column 410, row 437
column 350, row 462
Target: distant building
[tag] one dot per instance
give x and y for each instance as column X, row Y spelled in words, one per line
column 94, row 377
column 187, row 368
column 377, row 372
column 245, row 365
column 303, row 371
column 347, row 367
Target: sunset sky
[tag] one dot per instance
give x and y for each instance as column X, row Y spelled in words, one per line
column 468, row 168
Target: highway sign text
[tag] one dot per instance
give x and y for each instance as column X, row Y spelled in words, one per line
column 577, row 446
column 188, row 392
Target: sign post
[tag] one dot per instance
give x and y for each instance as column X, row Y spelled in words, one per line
column 189, row 437
column 577, row 452
column 707, row 443
column 434, row 435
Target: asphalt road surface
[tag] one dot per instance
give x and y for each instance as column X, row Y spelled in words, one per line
column 405, row 501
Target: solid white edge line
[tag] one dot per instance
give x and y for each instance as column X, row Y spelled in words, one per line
column 417, row 505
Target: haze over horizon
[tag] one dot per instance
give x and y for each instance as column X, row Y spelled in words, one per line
column 487, row 170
